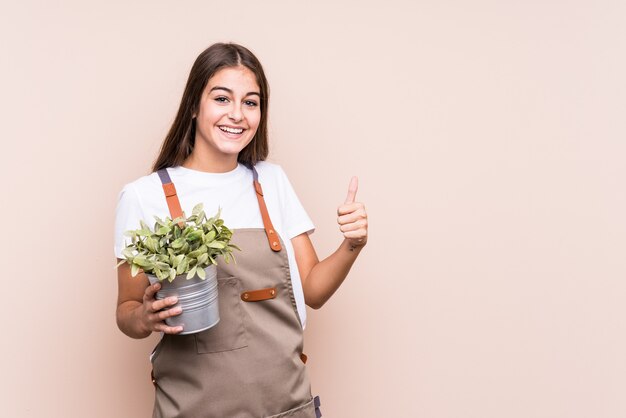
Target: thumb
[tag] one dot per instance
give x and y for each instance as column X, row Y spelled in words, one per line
column 352, row 188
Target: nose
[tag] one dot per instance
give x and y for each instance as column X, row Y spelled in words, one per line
column 235, row 114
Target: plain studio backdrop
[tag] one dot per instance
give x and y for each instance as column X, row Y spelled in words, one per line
column 489, row 138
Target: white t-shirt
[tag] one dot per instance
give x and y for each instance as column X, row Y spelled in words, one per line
column 233, row 192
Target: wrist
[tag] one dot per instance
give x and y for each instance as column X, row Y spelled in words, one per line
column 142, row 326
column 130, row 320
column 355, row 246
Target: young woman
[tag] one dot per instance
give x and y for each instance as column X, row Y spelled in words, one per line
column 251, row 363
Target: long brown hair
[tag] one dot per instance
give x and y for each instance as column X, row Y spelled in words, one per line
column 179, row 142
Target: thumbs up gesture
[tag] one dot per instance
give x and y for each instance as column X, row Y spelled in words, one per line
column 352, row 218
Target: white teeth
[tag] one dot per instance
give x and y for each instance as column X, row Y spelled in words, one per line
column 231, row 130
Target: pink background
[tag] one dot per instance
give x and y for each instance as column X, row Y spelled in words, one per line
column 489, row 139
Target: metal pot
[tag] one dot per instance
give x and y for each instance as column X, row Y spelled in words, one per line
column 197, row 297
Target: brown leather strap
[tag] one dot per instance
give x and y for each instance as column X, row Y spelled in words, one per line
column 257, row 295
column 272, row 236
column 170, row 196
column 172, row 202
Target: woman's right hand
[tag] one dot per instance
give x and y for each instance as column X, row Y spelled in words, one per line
column 155, row 311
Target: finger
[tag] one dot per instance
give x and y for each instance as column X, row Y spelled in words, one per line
column 164, row 303
column 351, row 217
column 168, row 313
column 349, row 208
column 169, row 330
column 354, row 226
column 358, row 235
column 352, row 188
column 151, row 291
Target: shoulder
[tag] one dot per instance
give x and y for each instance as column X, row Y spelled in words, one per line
column 272, row 173
column 141, row 186
column 270, row 170
column 144, row 182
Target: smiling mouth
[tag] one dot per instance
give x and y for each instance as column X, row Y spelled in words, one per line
column 231, row 130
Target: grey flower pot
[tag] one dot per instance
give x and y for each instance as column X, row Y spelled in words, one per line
column 197, row 297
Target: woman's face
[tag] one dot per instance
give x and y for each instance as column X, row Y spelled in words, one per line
column 229, row 114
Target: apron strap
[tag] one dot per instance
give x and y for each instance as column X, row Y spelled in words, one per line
column 175, row 210
column 272, row 236
column 170, row 195
column 317, row 404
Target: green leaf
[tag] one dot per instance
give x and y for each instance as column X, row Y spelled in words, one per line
column 197, row 209
column 151, row 244
column 203, row 259
column 201, row 273
column 176, row 260
column 210, row 236
column 162, row 266
column 178, row 243
column 159, row 221
column 134, row 269
column 172, row 275
column 194, row 236
column 183, row 265
column 191, row 273
column 162, row 231
column 128, row 253
column 194, row 254
column 216, row 244
column 141, row 261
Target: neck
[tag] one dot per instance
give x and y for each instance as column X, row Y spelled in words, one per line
column 209, row 163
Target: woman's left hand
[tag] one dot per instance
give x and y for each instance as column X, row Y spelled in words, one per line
column 352, row 218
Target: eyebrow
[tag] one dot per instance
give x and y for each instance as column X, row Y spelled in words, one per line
column 231, row 92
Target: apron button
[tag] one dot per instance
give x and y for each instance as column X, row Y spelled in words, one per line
column 274, row 243
column 272, row 292
column 246, row 296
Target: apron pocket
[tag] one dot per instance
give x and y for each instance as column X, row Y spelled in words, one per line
column 303, row 411
column 229, row 333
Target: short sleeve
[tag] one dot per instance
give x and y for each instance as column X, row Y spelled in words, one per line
column 128, row 213
column 295, row 218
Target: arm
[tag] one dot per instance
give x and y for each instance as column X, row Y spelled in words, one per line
column 138, row 313
column 320, row 279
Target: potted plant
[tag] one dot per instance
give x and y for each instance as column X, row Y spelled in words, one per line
column 182, row 254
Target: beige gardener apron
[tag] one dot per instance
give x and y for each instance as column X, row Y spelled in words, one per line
column 251, row 363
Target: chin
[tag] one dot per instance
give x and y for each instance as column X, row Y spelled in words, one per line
column 231, row 150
